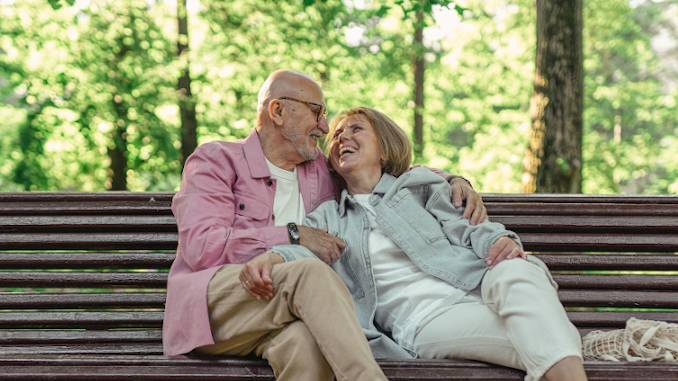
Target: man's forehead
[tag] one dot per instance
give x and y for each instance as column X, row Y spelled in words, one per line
column 297, row 86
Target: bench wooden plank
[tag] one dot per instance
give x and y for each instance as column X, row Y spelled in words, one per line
column 536, row 241
column 83, row 300
column 88, row 241
column 154, row 319
column 619, row 282
column 570, row 298
column 622, row 223
column 636, row 262
column 87, row 223
column 102, row 197
column 127, row 319
column 575, row 198
column 158, row 280
column 83, row 279
column 574, row 209
column 72, row 222
column 110, row 348
column 163, row 260
column 58, row 260
column 230, row 369
column 428, row 369
column 613, row 298
column 16, row 337
column 533, row 241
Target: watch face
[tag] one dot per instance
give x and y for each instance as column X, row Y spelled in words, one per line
column 293, row 231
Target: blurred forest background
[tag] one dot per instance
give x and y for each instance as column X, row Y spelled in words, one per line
column 89, row 97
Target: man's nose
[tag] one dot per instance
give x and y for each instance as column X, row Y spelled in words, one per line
column 322, row 125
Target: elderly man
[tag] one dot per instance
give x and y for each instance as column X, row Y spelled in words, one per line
column 225, row 294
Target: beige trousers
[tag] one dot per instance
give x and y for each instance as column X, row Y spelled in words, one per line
column 307, row 331
column 515, row 320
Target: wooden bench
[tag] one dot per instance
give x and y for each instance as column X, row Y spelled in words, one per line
column 82, row 280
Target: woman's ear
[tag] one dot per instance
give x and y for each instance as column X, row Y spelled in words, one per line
column 275, row 112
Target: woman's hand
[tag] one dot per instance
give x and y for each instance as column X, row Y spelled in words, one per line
column 504, row 249
column 323, row 244
column 255, row 275
column 475, row 210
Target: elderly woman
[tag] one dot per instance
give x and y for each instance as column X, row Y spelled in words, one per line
column 427, row 283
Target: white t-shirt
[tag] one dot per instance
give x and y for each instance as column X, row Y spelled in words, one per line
column 288, row 206
column 407, row 297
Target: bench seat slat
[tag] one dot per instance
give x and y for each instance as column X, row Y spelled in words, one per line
column 158, row 280
column 258, row 370
column 637, row 262
column 219, row 361
column 83, row 279
column 64, row 337
column 86, row 223
column 154, row 319
column 623, row 223
column 93, row 208
column 89, row 241
column 599, row 242
column 574, row 209
column 89, row 300
column 619, row 282
column 81, row 319
column 165, row 240
column 614, row 298
column 560, row 261
column 120, row 347
column 575, row 198
column 58, row 260
column 570, row 298
column 105, row 197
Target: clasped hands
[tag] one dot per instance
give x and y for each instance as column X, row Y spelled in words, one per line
column 255, row 276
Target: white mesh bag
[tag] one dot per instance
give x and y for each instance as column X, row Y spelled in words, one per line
column 641, row 340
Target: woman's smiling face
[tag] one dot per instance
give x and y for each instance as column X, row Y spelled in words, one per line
column 354, row 147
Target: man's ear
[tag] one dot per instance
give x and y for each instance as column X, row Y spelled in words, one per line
column 275, row 112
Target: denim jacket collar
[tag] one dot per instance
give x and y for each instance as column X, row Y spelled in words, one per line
column 381, row 188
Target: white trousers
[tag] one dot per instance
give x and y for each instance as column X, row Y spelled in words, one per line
column 515, row 320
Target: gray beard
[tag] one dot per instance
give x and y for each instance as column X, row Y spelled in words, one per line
column 299, row 142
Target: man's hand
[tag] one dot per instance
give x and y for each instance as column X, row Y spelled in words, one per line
column 475, row 210
column 255, row 276
column 324, row 245
column 504, row 249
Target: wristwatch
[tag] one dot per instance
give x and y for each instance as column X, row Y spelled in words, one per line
column 293, row 233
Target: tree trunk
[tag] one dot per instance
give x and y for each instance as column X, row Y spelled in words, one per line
column 189, row 123
column 419, row 66
column 553, row 161
column 118, row 153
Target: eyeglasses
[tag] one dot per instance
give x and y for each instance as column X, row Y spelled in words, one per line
column 318, row 109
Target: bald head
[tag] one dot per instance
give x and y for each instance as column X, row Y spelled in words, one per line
column 288, row 83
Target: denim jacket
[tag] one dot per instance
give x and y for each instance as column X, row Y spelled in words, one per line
column 415, row 211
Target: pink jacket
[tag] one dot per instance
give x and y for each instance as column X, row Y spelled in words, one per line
column 224, row 213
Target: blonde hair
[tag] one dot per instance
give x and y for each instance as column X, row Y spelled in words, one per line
column 394, row 143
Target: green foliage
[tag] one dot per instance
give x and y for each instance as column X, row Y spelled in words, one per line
column 56, row 4
column 72, row 73
column 630, row 119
